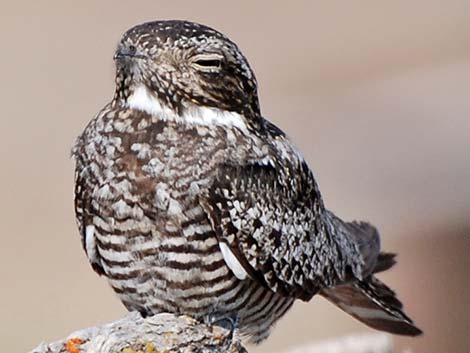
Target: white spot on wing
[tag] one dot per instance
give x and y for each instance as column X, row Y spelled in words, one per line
column 90, row 243
column 232, row 261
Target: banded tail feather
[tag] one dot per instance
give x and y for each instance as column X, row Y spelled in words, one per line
column 373, row 303
column 365, row 297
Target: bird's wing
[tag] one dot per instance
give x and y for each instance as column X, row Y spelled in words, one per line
column 267, row 215
column 83, row 205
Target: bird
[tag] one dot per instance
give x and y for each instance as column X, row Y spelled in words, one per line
column 190, row 202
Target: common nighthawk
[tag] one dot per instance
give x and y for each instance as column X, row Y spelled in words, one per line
column 190, row 202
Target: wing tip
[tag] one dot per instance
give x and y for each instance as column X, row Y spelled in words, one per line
column 385, row 261
column 402, row 328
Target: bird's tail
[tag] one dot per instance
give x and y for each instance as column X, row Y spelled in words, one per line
column 372, row 302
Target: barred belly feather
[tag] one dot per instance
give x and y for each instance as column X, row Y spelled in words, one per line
column 153, row 240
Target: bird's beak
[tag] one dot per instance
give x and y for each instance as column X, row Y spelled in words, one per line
column 125, row 51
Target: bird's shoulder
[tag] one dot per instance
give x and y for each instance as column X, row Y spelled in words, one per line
column 278, row 159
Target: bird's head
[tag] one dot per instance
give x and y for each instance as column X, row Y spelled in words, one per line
column 176, row 65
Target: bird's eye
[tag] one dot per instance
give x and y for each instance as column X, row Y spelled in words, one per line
column 208, row 63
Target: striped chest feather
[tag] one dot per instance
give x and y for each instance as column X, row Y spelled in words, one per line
column 139, row 186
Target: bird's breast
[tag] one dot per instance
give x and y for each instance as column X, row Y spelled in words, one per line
column 154, row 240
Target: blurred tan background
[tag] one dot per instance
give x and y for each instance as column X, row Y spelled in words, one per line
column 374, row 93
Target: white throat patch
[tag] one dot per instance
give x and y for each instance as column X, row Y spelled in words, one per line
column 142, row 99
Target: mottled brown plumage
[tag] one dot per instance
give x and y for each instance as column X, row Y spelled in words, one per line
column 189, row 201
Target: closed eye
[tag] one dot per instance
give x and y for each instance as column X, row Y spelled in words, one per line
column 209, row 63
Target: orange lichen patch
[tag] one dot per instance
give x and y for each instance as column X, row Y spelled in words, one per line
column 217, row 333
column 130, row 350
column 150, row 348
column 188, row 319
column 71, row 345
column 168, row 337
